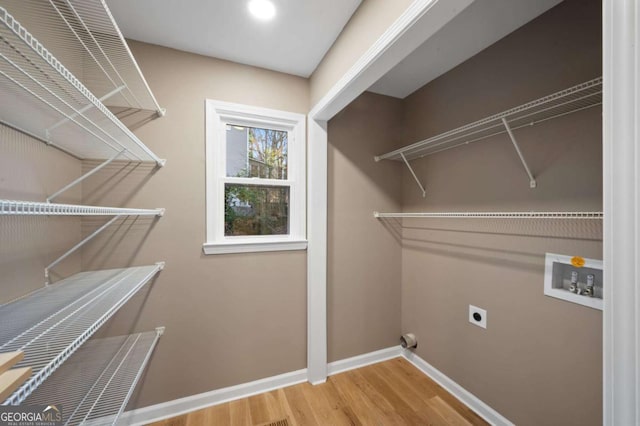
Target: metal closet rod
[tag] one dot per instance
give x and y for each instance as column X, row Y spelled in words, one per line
column 494, row 215
column 28, row 208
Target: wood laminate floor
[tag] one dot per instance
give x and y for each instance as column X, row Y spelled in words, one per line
column 393, row 392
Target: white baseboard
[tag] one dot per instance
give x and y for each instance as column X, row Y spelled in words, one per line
column 177, row 407
column 185, row 405
column 363, row 360
column 165, row 410
column 466, row 397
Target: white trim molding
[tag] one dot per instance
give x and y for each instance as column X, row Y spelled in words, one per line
column 317, row 252
column 188, row 404
column 463, row 395
column 253, row 247
column 359, row 361
column 177, row 407
column 421, row 20
column 621, row 152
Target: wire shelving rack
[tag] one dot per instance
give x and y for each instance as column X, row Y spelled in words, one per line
column 33, row 208
column 98, row 379
column 87, row 38
column 494, row 215
column 577, row 98
column 50, row 104
column 50, row 324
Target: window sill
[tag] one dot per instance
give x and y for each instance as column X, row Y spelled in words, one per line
column 253, row 247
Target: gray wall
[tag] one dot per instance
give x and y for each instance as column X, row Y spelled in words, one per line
column 230, row 318
column 30, row 170
column 363, row 256
column 540, row 360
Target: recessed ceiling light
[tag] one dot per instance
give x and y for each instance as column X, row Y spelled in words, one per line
column 262, row 9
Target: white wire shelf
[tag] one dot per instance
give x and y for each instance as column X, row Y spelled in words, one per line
column 32, row 208
column 95, row 384
column 50, row 324
column 576, row 98
column 86, row 38
column 49, row 103
column 494, row 215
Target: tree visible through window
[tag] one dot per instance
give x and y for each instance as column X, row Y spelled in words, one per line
column 256, row 209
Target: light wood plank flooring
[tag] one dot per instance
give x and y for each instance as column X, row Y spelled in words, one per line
column 389, row 393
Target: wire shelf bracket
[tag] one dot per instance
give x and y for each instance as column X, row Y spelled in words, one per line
column 76, row 247
column 424, row 192
column 532, row 180
column 52, row 323
column 493, row 215
column 82, row 110
column 86, row 175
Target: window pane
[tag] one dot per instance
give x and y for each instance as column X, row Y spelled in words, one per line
column 257, row 153
column 256, row 210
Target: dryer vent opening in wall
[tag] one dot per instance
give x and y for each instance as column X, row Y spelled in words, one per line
column 408, row 341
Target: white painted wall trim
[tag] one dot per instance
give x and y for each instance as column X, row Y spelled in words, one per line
column 317, row 251
column 352, row 363
column 188, row 404
column 421, row 20
column 177, row 407
column 253, row 247
column 181, row 406
column 621, row 155
column 466, row 397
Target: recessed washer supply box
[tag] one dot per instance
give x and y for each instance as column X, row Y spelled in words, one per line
column 558, row 272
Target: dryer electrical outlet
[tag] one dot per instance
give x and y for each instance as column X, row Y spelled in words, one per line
column 477, row 316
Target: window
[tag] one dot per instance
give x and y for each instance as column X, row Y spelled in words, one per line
column 255, row 179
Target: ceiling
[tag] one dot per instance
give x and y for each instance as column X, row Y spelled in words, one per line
column 294, row 42
column 477, row 27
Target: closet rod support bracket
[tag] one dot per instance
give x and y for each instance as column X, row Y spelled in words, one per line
column 424, row 193
column 160, row 331
column 532, row 180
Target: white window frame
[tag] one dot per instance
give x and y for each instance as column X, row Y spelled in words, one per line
column 218, row 115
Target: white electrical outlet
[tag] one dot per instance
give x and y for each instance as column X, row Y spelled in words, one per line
column 477, row 316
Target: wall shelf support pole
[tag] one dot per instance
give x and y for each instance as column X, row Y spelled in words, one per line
column 77, row 246
column 84, row 176
column 532, row 180
column 424, row 193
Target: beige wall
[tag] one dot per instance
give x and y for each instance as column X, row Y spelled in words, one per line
column 368, row 23
column 230, row 319
column 363, row 255
column 540, row 359
column 30, row 170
